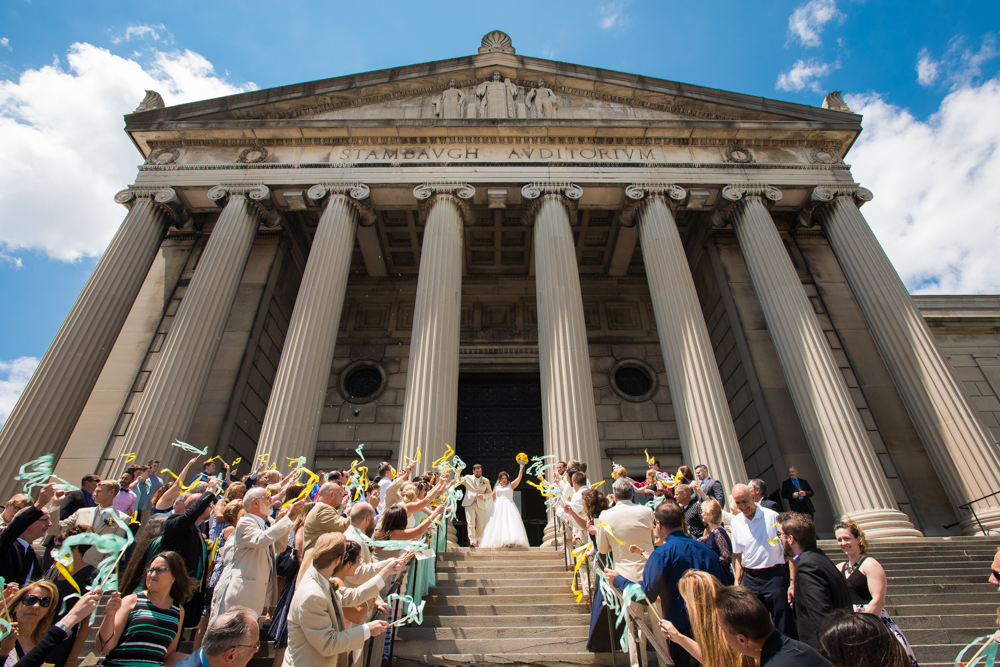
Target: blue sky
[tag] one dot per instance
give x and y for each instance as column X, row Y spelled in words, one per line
column 923, row 73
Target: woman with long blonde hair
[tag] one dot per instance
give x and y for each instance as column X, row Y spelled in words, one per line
column 709, row 646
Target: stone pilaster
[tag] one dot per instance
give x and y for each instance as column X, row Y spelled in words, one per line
column 44, row 416
column 703, row 420
column 174, row 389
column 294, row 410
column 829, row 418
column 431, row 408
column 963, row 452
column 569, row 421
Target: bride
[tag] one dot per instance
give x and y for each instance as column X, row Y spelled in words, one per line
column 504, row 527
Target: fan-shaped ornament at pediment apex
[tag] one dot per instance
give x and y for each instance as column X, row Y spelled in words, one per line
column 496, row 42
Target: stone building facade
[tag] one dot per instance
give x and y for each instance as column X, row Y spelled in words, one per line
column 507, row 254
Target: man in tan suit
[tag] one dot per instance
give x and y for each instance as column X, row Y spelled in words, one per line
column 316, row 618
column 99, row 518
column 477, row 488
column 250, row 573
column 323, row 518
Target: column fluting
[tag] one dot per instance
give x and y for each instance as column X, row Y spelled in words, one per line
column 172, row 394
column 703, row 420
column 569, row 420
column 51, row 403
column 430, row 411
column 854, row 479
column 295, row 407
column 962, row 450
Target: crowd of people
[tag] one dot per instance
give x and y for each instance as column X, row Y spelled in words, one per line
column 310, row 561
column 740, row 581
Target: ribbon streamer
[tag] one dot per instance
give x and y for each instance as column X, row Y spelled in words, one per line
column 407, row 458
column 580, row 553
column 180, row 482
column 358, row 450
column 36, row 473
column 190, row 448
column 414, row 612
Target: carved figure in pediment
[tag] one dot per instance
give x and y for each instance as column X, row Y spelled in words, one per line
column 449, row 105
column 496, row 98
column 542, row 102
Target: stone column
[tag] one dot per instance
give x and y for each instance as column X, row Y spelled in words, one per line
column 291, row 423
column 829, row 418
column 430, row 410
column 706, row 427
column 569, row 421
column 963, row 451
column 173, row 392
column 46, row 413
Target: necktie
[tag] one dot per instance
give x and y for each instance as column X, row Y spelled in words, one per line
column 31, row 564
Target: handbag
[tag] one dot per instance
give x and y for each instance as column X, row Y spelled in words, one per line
column 286, row 564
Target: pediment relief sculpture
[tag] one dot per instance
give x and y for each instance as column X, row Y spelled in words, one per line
column 496, row 98
column 449, row 105
column 542, row 102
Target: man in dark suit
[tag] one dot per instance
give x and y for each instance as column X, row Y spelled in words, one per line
column 664, row 569
column 758, row 490
column 72, row 501
column 819, row 587
column 231, row 640
column 18, row 562
column 708, row 487
column 797, row 492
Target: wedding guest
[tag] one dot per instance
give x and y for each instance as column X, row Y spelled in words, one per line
column 626, row 524
column 145, row 547
column 231, row 515
column 686, row 474
column 717, row 538
column 231, row 640
column 866, row 580
column 758, row 489
column 665, row 567
column 367, row 609
column 163, row 501
column 16, row 503
column 288, row 565
column 759, row 559
column 30, row 617
column 18, row 562
column 684, row 496
column 316, row 630
column 83, row 574
column 145, row 628
column 708, row 646
column 708, row 487
column 861, row 640
column 323, row 518
column 99, row 518
column 819, row 586
column 125, row 500
column 798, row 493
column 748, row 629
column 393, row 527
column 995, row 570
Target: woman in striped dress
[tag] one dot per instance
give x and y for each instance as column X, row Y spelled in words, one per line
column 141, row 630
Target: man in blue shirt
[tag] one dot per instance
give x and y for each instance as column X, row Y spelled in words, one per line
column 665, row 567
column 232, row 640
column 208, row 471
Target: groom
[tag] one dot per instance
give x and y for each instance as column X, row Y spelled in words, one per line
column 477, row 488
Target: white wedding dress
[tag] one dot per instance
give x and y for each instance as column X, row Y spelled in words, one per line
column 504, row 527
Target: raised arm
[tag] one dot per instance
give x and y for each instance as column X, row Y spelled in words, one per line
column 166, row 501
column 418, row 531
column 520, row 476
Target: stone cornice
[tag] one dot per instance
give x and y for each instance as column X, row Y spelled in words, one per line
column 640, row 193
column 165, row 199
column 535, row 192
column 825, row 194
column 493, row 139
column 355, row 194
column 258, row 194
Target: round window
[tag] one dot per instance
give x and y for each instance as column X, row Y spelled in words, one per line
column 633, row 380
column 363, row 381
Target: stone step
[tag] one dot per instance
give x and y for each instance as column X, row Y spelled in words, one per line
column 568, row 659
column 552, row 620
column 946, row 578
column 501, row 633
column 943, row 636
column 502, row 554
column 542, row 644
column 560, row 597
column 519, row 589
column 919, row 607
column 486, row 576
column 957, row 621
column 530, row 608
column 505, row 567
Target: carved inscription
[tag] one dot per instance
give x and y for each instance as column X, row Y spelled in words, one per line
column 498, row 154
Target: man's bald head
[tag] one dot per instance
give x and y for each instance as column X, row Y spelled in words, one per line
column 330, row 494
column 360, row 512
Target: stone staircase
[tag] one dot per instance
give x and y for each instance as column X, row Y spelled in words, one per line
column 500, row 606
column 938, row 591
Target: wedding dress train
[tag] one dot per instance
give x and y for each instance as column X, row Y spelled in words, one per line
column 504, row 527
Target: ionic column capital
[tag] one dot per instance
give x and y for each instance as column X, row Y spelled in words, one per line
column 355, row 194
column 165, row 199
column 824, row 194
column 257, row 194
column 457, row 191
column 735, row 193
column 640, row 193
column 536, row 191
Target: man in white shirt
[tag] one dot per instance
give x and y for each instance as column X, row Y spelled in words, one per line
column 759, row 558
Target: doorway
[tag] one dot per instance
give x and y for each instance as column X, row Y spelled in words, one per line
column 500, row 416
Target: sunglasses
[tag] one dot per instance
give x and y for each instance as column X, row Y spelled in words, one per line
column 157, row 570
column 996, row 575
column 32, row 600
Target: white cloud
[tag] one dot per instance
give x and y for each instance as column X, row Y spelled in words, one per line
column 612, row 15
column 4, row 42
column 808, row 20
column 16, row 372
column 142, row 32
column 65, row 154
column 936, row 202
column 928, row 69
column 805, row 74
column 960, row 65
